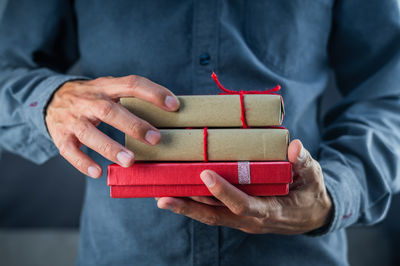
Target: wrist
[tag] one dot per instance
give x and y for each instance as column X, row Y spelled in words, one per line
column 327, row 217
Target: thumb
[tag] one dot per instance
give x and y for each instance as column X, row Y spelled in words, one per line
column 300, row 158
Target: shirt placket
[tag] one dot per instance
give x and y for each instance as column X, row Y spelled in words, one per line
column 205, row 46
column 205, row 239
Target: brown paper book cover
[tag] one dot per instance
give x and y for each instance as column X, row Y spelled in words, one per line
column 211, row 111
column 222, row 145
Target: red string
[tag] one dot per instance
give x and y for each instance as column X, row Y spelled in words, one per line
column 205, row 140
column 277, row 127
column 241, row 94
column 205, row 134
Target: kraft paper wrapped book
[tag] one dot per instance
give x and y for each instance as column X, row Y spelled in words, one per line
column 211, row 111
column 183, row 179
column 218, row 145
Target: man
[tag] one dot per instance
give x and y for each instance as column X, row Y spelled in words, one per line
column 344, row 172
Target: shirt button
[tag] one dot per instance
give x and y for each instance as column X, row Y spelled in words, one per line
column 205, row 59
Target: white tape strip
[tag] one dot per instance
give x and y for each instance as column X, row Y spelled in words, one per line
column 244, row 172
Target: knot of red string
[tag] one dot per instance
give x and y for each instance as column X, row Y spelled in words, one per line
column 241, row 94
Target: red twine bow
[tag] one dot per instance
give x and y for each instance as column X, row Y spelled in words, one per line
column 241, row 95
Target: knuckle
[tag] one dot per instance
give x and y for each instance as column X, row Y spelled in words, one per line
column 81, row 130
column 78, row 163
column 134, row 81
column 158, row 94
column 100, row 80
column 211, row 220
column 275, row 205
column 135, row 127
column 63, row 150
column 317, row 167
column 105, row 148
column 218, row 189
column 268, row 220
column 182, row 210
column 259, row 213
column 240, row 209
column 104, row 109
column 308, row 162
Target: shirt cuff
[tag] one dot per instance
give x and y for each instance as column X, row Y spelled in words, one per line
column 40, row 97
column 344, row 190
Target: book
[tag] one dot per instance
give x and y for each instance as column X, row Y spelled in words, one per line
column 183, row 179
column 254, row 144
column 212, row 111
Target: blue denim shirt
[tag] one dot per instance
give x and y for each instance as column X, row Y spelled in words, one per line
column 251, row 45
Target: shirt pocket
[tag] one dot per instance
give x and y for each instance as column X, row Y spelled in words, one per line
column 290, row 36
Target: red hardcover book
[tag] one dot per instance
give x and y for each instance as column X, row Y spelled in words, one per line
column 192, row 190
column 183, row 179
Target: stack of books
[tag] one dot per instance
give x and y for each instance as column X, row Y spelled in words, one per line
column 207, row 133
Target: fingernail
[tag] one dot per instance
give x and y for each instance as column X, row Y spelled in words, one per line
column 94, row 171
column 153, row 137
column 302, row 154
column 207, row 178
column 171, row 102
column 125, row 157
column 165, row 206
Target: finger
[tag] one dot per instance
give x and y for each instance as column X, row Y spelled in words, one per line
column 211, row 215
column 208, row 200
column 236, row 200
column 119, row 117
column 302, row 161
column 93, row 138
column 142, row 88
column 70, row 151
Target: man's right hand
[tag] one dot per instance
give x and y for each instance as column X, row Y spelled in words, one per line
column 78, row 107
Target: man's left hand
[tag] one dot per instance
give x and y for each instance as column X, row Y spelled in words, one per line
column 307, row 207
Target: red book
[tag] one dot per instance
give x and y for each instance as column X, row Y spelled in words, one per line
column 183, row 179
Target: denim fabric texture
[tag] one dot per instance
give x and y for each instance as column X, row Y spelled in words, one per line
column 251, row 45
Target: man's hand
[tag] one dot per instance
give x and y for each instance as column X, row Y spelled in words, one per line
column 307, row 207
column 79, row 106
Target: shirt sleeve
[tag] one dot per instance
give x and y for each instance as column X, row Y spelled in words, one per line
column 38, row 45
column 360, row 153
